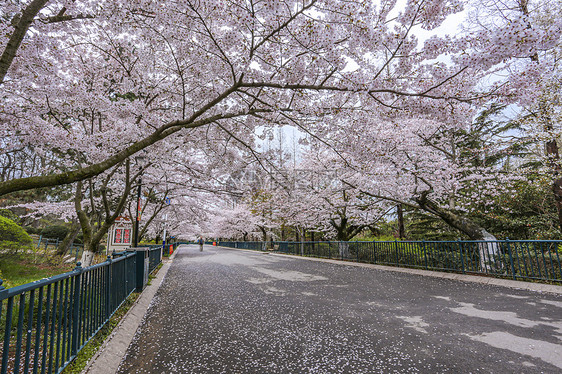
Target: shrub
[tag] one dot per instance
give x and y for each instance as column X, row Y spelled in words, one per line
column 9, row 215
column 79, row 238
column 12, row 232
column 55, row 232
column 32, row 230
column 379, row 238
column 13, row 247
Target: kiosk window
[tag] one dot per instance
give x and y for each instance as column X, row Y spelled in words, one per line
column 118, row 236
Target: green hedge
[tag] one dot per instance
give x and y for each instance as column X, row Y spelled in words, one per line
column 12, row 232
column 55, row 232
column 9, row 215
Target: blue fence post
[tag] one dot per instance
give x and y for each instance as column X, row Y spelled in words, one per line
column 108, row 307
column 142, row 259
column 510, row 259
column 2, row 291
column 424, row 254
column 76, row 310
column 529, row 254
column 462, row 254
column 7, row 332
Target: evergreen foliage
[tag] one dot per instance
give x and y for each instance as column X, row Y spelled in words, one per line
column 12, row 232
column 55, row 232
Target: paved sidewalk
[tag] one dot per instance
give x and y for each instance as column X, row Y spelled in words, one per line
column 110, row 354
column 234, row 311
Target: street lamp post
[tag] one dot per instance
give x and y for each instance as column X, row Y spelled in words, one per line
column 141, row 258
column 167, row 200
column 138, row 161
column 137, row 218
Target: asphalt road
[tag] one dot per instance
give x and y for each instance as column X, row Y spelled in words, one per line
column 229, row 311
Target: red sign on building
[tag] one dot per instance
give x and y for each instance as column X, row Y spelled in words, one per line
column 118, row 233
column 126, row 236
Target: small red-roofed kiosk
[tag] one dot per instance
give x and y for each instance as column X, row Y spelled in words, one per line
column 120, row 235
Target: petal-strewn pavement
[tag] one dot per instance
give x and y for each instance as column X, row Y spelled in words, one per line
column 229, row 311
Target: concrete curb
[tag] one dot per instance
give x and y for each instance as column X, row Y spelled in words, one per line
column 109, row 355
column 537, row 287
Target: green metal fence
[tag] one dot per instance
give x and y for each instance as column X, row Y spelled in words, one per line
column 516, row 259
column 47, row 322
column 154, row 256
column 75, row 249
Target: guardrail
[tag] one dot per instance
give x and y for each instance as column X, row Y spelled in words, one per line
column 154, row 257
column 47, row 322
column 531, row 260
column 46, row 242
column 74, row 250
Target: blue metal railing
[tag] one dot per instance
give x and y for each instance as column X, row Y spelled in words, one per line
column 74, row 250
column 155, row 257
column 46, row 323
column 538, row 260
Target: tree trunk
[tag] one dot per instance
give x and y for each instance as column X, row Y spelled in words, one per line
column 343, row 249
column 302, row 235
column 65, row 245
column 264, row 233
column 488, row 251
column 401, row 231
column 344, row 230
column 463, row 224
column 557, row 190
column 88, row 255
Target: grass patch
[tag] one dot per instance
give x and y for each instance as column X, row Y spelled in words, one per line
column 18, row 269
column 152, row 275
column 21, row 268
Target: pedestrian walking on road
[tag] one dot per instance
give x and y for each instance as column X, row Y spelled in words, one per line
column 201, row 242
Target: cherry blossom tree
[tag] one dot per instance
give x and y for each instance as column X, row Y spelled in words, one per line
column 236, row 223
column 541, row 115
column 127, row 75
column 101, row 200
column 105, row 216
column 87, row 85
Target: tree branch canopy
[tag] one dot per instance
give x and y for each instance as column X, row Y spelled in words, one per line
column 23, row 184
column 81, row 93
column 20, row 29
